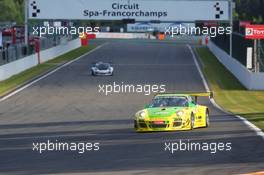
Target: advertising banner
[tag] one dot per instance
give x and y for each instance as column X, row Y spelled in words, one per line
column 150, row 27
column 254, row 32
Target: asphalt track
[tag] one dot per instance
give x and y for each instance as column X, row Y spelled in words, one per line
column 66, row 106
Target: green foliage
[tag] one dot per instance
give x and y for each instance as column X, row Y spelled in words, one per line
column 252, row 10
column 11, row 10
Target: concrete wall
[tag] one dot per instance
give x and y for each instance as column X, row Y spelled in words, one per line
column 15, row 67
column 252, row 81
column 48, row 54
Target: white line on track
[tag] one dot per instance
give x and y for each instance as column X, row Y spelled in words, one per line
column 48, row 74
column 258, row 131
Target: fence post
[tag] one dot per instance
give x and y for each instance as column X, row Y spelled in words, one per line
column 258, row 55
column 37, row 49
column 231, row 25
column 255, row 55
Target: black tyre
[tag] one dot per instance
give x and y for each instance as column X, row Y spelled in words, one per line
column 192, row 121
column 207, row 119
column 135, row 124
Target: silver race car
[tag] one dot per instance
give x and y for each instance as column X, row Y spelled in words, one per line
column 101, row 68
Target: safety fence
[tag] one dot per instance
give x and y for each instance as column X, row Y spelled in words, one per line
column 251, row 80
column 19, row 65
column 239, row 46
column 261, row 53
column 18, row 51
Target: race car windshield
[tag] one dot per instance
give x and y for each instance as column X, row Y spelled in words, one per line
column 169, row 102
column 103, row 66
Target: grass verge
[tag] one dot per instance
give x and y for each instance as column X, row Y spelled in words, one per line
column 27, row 75
column 229, row 93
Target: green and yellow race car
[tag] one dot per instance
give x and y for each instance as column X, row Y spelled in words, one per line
column 173, row 112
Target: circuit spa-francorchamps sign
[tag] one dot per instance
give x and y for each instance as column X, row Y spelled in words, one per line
column 140, row 10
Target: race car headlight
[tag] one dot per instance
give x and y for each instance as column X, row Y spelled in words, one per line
column 179, row 113
column 142, row 114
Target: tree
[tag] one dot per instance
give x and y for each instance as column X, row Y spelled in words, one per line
column 11, row 10
column 250, row 10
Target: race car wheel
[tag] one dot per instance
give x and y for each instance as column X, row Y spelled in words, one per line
column 92, row 72
column 192, row 121
column 207, row 119
column 135, row 124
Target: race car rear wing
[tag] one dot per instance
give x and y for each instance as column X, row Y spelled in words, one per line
column 195, row 95
column 200, row 94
